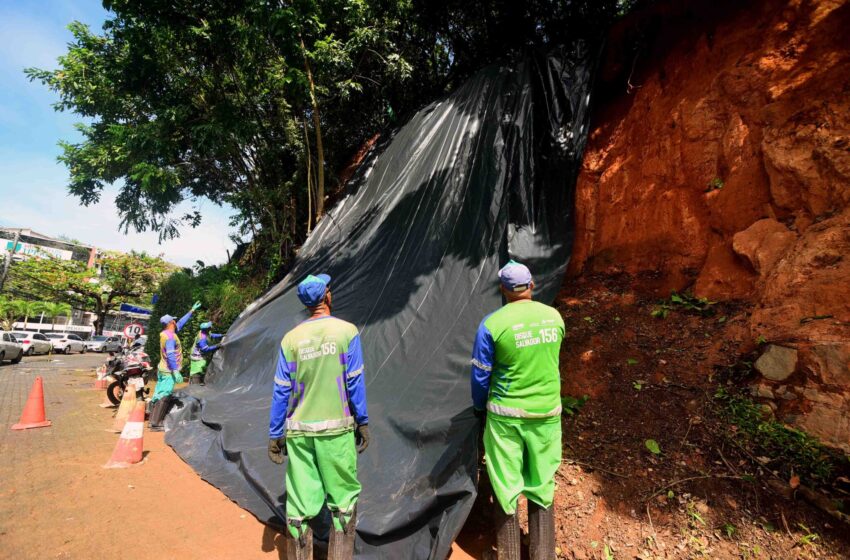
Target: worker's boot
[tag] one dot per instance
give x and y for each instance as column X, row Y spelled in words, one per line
column 541, row 532
column 300, row 547
column 195, row 380
column 341, row 545
column 158, row 413
column 507, row 535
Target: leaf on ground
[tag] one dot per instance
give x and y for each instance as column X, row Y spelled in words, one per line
column 794, row 482
column 653, row 446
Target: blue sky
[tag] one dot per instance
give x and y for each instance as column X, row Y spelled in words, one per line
column 33, row 184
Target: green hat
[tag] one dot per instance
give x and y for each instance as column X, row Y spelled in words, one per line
column 207, row 325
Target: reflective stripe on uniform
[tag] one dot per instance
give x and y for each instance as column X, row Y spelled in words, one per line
column 355, row 373
column 320, row 426
column 520, row 413
column 282, row 382
column 481, row 366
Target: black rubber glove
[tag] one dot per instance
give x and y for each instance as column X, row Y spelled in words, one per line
column 481, row 416
column 361, row 437
column 277, row 449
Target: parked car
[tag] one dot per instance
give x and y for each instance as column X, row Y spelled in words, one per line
column 103, row 343
column 34, row 343
column 67, row 343
column 10, row 348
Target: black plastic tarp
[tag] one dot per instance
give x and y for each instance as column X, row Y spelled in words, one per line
column 484, row 175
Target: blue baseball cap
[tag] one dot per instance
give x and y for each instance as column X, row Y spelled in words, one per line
column 165, row 319
column 312, row 290
column 207, row 325
column 515, row 277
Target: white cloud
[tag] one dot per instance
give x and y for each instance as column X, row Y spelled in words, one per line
column 33, row 194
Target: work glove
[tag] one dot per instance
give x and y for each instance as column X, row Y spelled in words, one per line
column 481, row 416
column 196, row 306
column 277, row 449
column 361, row 437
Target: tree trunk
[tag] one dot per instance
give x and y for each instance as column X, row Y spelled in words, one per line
column 309, row 180
column 101, row 319
column 320, row 152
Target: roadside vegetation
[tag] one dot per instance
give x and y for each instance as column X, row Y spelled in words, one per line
column 263, row 105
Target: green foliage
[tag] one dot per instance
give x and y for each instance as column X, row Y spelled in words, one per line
column 14, row 309
column 55, row 309
column 714, row 185
column 252, row 103
column 791, row 451
column 694, row 516
column 808, row 538
column 116, row 278
column 728, row 529
column 224, row 292
column 683, row 302
column 653, row 446
column 572, row 405
column 10, row 310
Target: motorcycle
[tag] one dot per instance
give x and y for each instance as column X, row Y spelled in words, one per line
column 130, row 368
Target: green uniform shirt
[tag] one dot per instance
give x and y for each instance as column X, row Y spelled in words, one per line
column 319, row 380
column 515, row 361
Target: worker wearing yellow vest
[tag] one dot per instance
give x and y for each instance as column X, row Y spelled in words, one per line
column 319, row 420
column 170, row 362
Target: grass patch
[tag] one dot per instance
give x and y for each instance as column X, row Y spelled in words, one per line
column 791, row 451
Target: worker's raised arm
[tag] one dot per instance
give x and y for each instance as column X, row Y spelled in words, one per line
column 184, row 319
column 355, row 381
column 280, row 396
column 482, row 367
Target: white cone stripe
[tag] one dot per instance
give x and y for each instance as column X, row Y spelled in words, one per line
column 133, row 430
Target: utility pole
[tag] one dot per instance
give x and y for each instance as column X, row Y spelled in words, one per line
column 8, row 262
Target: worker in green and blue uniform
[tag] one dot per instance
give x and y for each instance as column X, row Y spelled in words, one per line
column 201, row 351
column 516, row 391
column 170, row 362
column 319, row 420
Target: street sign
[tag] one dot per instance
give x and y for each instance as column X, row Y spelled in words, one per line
column 132, row 329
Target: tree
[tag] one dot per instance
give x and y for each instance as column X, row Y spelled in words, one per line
column 54, row 310
column 10, row 310
column 32, row 308
column 115, row 278
column 220, row 99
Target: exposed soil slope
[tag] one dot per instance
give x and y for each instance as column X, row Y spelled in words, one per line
column 723, row 167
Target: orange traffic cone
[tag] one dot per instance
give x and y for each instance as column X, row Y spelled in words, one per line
column 33, row 415
column 128, row 402
column 128, row 450
column 100, row 382
column 106, row 402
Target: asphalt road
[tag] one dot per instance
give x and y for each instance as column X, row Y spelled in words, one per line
column 55, row 362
